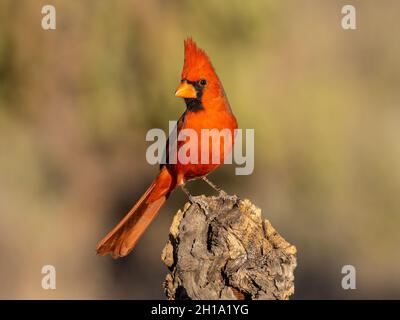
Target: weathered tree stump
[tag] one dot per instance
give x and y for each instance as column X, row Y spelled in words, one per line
column 228, row 252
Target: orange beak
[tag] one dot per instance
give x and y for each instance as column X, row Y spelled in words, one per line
column 185, row 90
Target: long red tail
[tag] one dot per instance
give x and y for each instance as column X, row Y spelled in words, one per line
column 122, row 239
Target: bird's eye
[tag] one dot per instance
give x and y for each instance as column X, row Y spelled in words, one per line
column 203, row 82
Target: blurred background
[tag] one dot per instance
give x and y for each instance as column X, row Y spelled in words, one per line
column 76, row 103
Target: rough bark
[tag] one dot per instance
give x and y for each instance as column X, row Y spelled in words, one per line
column 227, row 252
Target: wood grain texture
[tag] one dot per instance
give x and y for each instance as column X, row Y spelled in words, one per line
column 228, row 252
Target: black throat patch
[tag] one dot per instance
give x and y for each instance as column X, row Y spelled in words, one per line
column 193, row 105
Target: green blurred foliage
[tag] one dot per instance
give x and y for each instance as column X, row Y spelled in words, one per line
column 76, row 103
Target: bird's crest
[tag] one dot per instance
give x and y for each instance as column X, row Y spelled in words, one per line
column 197, row 64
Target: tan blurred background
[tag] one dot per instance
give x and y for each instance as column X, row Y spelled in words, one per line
column 76, row 103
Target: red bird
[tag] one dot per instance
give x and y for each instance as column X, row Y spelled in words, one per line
column 207, row 107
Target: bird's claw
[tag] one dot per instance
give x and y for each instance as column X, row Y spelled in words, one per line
column 225, row 196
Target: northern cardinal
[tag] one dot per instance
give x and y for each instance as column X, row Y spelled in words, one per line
column 207, row 107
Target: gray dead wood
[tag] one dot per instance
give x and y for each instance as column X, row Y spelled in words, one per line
column 230, row 252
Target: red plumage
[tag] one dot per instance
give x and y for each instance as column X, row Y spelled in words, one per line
column 207, row 108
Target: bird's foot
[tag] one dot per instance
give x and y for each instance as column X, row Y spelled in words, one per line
column 222, row 194
column 227, row 197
